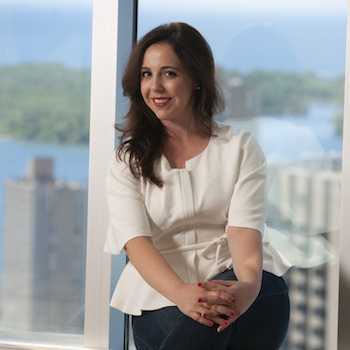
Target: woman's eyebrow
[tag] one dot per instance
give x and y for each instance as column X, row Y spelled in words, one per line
column 162, row 68
column 170, row 67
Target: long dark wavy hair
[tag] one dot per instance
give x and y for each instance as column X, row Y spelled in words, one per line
column 143, row 135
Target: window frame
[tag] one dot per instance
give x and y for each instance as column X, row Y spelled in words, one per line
column 102, row 116
column 108, row 46
column 344, row 273
column 114, row 31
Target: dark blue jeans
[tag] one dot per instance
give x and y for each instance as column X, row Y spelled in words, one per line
column 262, row 327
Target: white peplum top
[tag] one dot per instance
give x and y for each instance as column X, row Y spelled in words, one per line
column 187, row 218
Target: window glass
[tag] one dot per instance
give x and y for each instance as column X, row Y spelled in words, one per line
column 281, row 68
column 45, row 57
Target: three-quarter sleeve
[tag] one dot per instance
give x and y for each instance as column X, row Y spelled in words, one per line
column 128, row 217
column 248, row 203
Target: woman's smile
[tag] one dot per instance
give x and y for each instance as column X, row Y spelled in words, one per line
column 166, row 86
column 161, row 102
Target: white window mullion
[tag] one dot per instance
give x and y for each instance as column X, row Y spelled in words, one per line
column 102, row 142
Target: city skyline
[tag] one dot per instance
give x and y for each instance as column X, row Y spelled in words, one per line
column 42, row 288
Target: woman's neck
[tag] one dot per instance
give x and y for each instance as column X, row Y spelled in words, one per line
column 182, row 144
column 181, row 132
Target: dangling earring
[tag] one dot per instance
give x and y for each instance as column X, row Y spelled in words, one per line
column 198, row 88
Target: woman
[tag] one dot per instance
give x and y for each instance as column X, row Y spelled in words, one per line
column 187, row 203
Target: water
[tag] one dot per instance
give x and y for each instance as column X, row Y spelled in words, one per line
column 291, row 138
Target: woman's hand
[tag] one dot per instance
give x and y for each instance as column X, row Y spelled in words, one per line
column 190, row 300
column 246, row 251
column 215, row 298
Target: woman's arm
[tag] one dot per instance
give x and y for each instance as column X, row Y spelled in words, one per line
column 246, row 250
column 155, row 270
column 153, row 267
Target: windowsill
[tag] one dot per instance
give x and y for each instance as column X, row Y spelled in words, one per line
column 32, row 346
column 23, row 346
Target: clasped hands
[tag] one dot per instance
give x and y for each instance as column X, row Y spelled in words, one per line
column 217, row 302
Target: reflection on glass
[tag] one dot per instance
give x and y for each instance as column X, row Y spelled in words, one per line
column 282, row 73
column 44, row 128
column 297, row 118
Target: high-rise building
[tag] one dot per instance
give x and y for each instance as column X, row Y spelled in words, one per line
column 242, row 101
column 309, row 208
column 44, row 245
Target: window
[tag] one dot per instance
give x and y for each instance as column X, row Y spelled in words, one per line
column 71, row 22
column 44, row 126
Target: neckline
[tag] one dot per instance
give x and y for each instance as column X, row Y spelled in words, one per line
column 190, row 160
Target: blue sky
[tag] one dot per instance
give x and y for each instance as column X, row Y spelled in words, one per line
column 298, row 35
column 322, row 6
column 283, row 34
column 288, row 6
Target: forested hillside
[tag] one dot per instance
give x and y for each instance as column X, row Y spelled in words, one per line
column 51, row 103
column 290, row 93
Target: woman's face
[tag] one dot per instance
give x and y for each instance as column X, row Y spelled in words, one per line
column 166, row 86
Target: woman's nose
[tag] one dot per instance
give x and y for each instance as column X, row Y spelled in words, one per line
column 157, row 84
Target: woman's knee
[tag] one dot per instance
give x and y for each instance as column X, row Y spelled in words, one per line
column 152, row 327
column 265, row 324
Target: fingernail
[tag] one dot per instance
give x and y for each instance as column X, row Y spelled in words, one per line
column 209, row 280
column 226, row 323
column 200, row 300
column 232, row 313
column 211, row 324
column 219, row 330
column 204, row 315
column 233, row 300
column 199, row 284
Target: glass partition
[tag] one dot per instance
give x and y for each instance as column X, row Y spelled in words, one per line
column 45, row 57
column 281, row 68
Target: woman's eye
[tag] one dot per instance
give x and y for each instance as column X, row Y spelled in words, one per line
column 170, row 74
column 145, row 74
